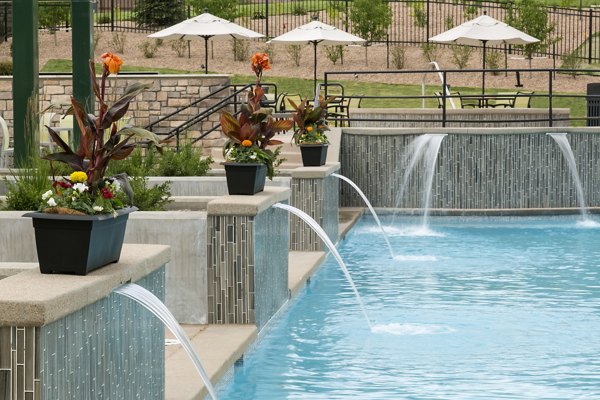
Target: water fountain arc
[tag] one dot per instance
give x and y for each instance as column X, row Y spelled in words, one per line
column 158, row 308
column 368, row 203
column 319, row 231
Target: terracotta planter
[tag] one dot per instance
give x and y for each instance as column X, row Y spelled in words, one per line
column 314, row 155
column 245, row 179
column 78, row 244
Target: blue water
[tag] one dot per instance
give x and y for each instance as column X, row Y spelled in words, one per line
column 483, row 308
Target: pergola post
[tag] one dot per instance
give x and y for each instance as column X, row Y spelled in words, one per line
column 83, row 51
column 25, row 85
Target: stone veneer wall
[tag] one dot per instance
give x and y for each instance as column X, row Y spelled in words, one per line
column 319, row 198
column 111, row 349
column 247, row 267
column 476, row 117
column 476, row 169
column 167, row 94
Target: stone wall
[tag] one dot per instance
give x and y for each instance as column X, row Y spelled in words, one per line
column 167, row 94
column 476, row 168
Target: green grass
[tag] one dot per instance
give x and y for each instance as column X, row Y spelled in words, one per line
column 304, row 87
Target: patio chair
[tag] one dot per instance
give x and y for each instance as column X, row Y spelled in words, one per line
column 46, row 119
column 503, row 100
column 523, row 99
column 5, row 150
column 296, row 98
column 455, row 96
column 341, row 110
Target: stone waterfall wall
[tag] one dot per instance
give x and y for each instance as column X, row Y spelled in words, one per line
column 498, row 168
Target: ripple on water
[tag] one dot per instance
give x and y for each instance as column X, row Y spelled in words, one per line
column 410, row 329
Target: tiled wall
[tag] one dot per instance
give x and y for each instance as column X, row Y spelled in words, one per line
column 319, row 198
column 473, row 171
column 247, row 267
column 112, row 349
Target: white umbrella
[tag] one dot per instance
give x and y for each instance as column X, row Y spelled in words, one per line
column 205, row 26
column 316, row 32
column 483, row 30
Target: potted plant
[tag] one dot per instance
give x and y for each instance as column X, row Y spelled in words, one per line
column 248, row 161
column 87, row 211
column 311, row 125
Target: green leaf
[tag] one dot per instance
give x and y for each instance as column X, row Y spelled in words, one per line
column 118, row 110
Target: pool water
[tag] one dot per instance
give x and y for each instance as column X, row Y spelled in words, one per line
column 476, row 308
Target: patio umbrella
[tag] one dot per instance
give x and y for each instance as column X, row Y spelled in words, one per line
column 483, row 30
column 316, row 32
column 205, row 26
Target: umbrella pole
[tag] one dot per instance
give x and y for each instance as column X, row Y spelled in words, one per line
column 483, row 75
column 315, row 69
column 206, row 55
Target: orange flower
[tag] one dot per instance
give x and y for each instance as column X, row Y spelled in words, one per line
column 309, row 129
column 112, row 61
column 247, row 143
column 260, row 63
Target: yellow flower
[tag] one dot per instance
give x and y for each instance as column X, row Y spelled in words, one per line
column 78, row 176
column 112, row 61
column 247, row 143
column 309, row 129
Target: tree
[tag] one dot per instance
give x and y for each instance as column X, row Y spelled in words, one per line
column 159, row 13
column 51, row 18
column 370, row 20
column 226, row 9
column 531, row 17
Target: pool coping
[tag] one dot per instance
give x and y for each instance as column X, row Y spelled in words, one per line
column 220, row 346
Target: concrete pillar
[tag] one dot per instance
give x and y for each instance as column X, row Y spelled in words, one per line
column 247, row 257
column 315, row 192
column 25, row 77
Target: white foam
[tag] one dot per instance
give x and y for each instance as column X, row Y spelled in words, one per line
column 588, row 223
column 401, row 257
column 412, row 231
column 410, row 329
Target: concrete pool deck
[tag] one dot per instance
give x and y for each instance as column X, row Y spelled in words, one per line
column 220, row 346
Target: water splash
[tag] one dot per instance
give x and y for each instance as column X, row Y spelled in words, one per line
column 157, row 307
column 423, row 147
column 323, row 235
column 411, row 329
column 565, row 148
column 368, row 203
column 413, row 231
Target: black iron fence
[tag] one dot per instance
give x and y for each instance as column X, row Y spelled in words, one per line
column 577, row 30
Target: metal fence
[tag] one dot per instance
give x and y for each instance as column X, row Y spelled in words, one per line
column 414, row 21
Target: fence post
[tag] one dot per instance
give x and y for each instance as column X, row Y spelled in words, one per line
column 427, row 39
column 444, row 85
column 112, row 15
column 550, row 98
column 267, row 18
column 590, row 35
column 6, row 22
column 346, row 16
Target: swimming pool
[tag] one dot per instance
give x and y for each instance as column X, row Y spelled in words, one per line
column 478, row 308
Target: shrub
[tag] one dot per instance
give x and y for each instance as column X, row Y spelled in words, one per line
column 259, row 15
column 179, row 47
column 398, row 56
column 187, row 162
column 299, row 10
column 117, row 43
column 137, row 164
column 461, row 55
column 24, row 193
column 295, row 53
column 52, row 17
column 449, row 22
column 430, row 51
column 6, row 67
column 154, row 198
column 492, row 61
column 419, row 15
column 571, row 61
column 334, row 53
column 148, row 48
column 103, row 18
column 241, row 49
column 159, row 13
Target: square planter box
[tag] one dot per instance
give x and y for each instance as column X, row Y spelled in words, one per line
column 314, row 155
column 245, row 179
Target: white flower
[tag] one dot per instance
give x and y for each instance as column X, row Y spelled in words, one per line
column 116, row 185
column 253, row 156
column 51, row 202
column 73, row 198
column 165, row 197
column 98, row 208
column 80, row 187
column 46, row 195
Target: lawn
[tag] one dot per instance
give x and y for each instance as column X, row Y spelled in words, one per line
column 377, row 95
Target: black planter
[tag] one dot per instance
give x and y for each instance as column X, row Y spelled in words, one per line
column 313, row 155
column 246, row 179
column 78, row 244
